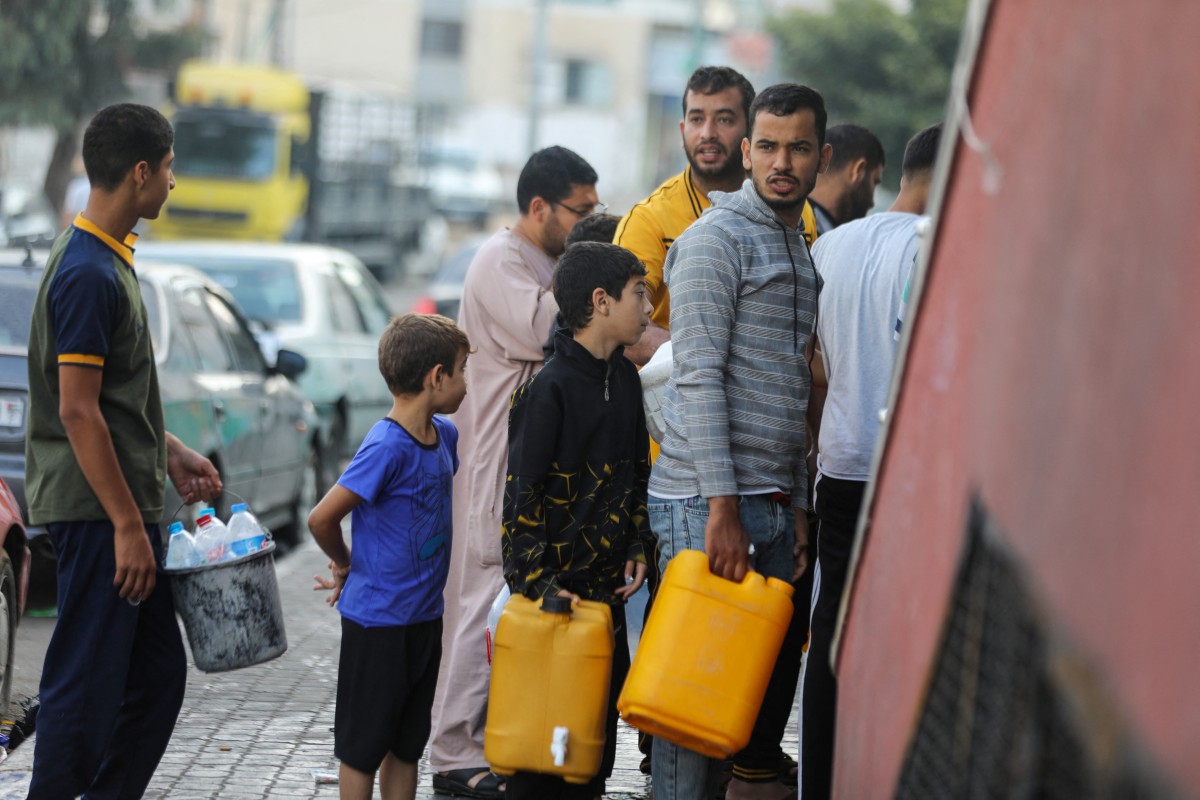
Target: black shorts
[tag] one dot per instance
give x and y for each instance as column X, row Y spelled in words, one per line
column 386, row 680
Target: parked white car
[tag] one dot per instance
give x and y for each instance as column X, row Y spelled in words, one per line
column 320, row 302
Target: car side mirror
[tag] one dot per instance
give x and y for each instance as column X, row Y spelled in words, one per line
column 290, row 364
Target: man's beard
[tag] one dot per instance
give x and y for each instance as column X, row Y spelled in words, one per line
column 781, row 205
column 728, row 171
column 778, row 203
column 862, row 200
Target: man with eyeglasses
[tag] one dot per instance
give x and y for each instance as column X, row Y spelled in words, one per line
column 506, row 310
column 716, row 105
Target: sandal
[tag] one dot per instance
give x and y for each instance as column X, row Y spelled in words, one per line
column 480, row 783
column 789, row 770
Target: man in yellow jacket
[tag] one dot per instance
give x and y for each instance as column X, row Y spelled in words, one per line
column 716, row 103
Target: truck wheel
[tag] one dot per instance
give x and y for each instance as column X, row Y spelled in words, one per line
column 8, row 627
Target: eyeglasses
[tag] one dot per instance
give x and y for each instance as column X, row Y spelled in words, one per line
column 598, row 208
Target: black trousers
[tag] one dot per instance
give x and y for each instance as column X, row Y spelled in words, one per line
column 837, row 505
column 759, row 761
column 114, row 675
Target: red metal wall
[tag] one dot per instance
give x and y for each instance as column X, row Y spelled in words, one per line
column 1055, row 367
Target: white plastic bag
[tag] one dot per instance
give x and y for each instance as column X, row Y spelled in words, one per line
column 654, row 377
column 493, row 619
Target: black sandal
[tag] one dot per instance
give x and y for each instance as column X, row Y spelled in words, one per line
column 788, row 769
column 458, row 783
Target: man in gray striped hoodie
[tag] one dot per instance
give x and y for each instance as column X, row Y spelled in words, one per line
column 732, row 470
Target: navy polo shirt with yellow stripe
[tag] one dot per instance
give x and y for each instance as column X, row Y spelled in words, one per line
column 89, row 314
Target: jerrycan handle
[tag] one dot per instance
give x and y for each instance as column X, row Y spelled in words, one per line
column 552, row 604
column 777, row 584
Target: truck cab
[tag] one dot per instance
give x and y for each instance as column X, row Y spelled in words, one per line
column 242, row 135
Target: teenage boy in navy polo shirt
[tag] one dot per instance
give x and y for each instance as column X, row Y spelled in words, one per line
column 96, row 457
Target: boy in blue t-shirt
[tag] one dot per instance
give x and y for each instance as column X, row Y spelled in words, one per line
column 388, row 588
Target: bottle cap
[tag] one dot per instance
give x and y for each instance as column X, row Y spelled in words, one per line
column 238, row 507
column 556, row 605
column 175, row 527
column 204, row 519
column 212, row 512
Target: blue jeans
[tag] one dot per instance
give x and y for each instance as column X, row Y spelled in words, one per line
column 679, row 773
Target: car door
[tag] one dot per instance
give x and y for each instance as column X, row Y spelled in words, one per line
column 237, row 396
column 373, row 312
column 359, row 351
column 188, row 411
column 282, row 424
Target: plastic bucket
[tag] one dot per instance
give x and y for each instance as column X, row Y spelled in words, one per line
column 231, row 611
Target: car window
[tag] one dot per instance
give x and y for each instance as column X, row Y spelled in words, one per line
column 179, row 357
column 267, row 289
column 343, row 311
column 17, row 295
column 246, row 354
column 210, row 344
column 153, row 315
column 371, row 306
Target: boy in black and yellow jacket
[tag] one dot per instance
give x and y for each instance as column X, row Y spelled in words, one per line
column 578, row 466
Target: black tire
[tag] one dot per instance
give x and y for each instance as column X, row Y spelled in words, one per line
column 336, row 445
column 327, row 473
column 8, row 627
column 307, row 495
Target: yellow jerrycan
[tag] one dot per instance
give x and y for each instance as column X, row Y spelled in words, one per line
column 548, row 701
column 705, row 656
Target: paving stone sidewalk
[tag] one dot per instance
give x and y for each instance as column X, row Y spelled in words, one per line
column 263, row 731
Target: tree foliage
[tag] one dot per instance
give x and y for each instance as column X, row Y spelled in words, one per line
column 886, row 70
column 62, row 60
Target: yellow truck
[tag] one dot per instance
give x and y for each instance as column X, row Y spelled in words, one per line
column 263, row 156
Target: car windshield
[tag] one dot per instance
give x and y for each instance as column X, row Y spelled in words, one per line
column 17, row 293
column 267, row 289
column 223, row 148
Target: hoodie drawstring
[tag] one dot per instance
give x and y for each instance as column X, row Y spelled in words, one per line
column 795, row 289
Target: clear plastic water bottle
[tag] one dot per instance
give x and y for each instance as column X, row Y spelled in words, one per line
column 181, row 548
column 246, row 536
column 211, row 539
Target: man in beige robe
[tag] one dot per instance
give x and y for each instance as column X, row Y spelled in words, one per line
column 507, row 311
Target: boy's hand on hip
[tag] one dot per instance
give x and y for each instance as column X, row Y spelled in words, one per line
column 332, row 584
column 635, row 576
column 725, row 542
column 136, row 570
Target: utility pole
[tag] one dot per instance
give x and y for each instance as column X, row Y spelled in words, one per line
column 698, row 36
column 277, row 32
column 537, row 70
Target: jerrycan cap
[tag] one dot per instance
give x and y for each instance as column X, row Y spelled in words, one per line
column 556, row 605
